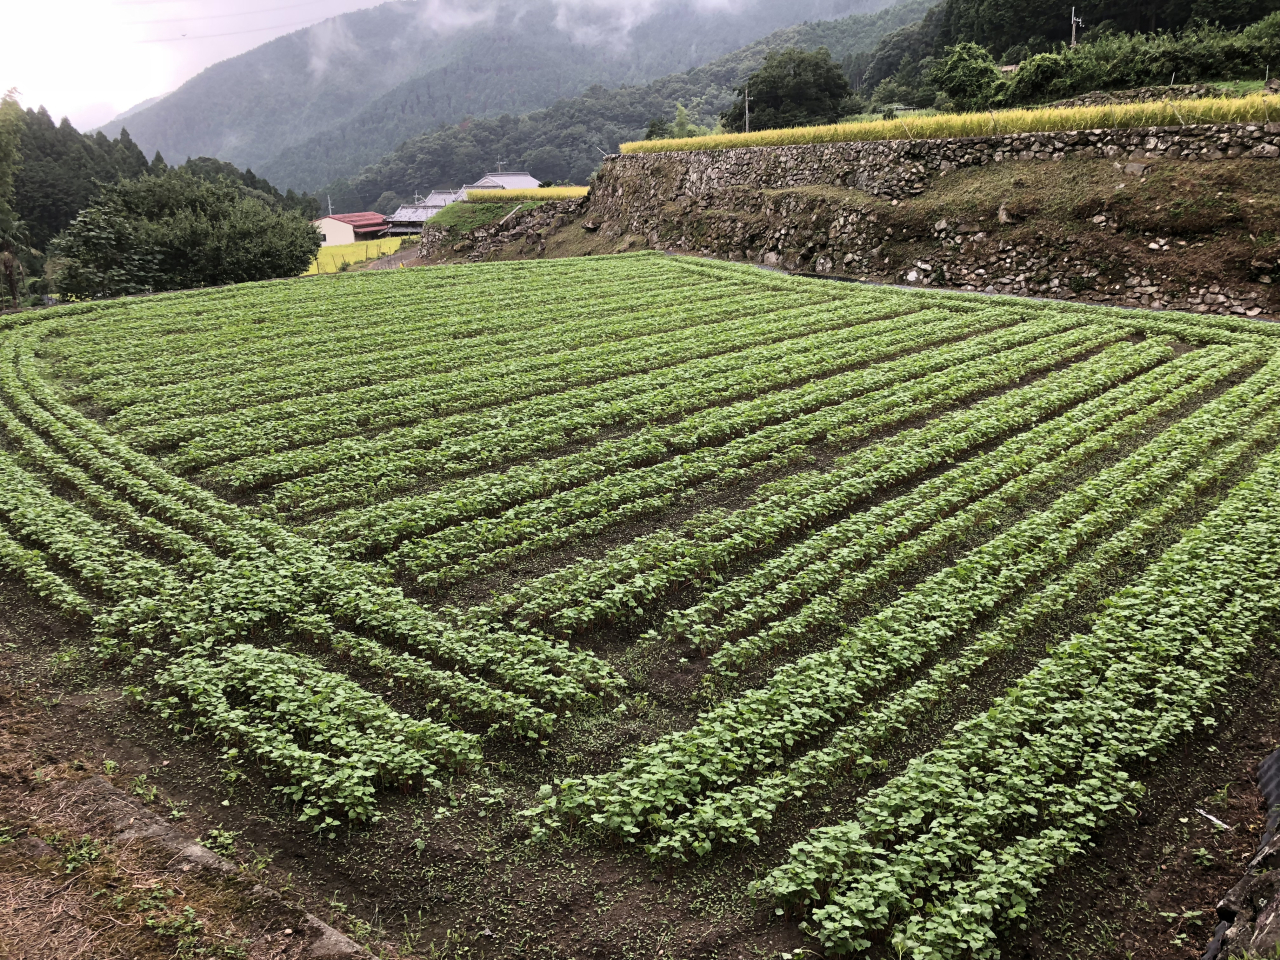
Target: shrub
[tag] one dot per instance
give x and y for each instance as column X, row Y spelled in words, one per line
column 1037, row 79
column 175, row 231
column 968, row 76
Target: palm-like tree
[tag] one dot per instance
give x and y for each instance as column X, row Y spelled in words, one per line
column 13, row 232
column 13, row 243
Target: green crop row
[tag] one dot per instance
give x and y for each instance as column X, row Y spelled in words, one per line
column 155, row 335
column 32, row 568
column 367, row 344
column 435, row 375
column 381, row 408
column 804, row 698
column 715, row 442
column 143, row 602
column 398, row 458
column 718, row 444
column 890, row 549
column 625, row 580
column 930, row 859
column 736, row 815
column 257, row 588
column 333, row 742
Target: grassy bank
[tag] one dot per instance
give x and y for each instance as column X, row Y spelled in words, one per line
column 466, row 215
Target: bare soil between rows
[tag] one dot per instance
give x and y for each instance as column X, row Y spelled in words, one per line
column 455, row 878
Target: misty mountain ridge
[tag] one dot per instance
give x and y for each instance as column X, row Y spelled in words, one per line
column 381, row 75
column 126, row 114
column 565, row 141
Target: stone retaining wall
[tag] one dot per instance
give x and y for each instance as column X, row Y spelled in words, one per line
column 736, row 204
column 893, row 169
column 525, row 228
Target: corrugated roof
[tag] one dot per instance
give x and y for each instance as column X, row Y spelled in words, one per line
column 361, row 221
column 507, row 180
column 415, row 212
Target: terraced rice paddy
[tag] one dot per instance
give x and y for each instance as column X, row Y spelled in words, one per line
column 890, row 595
column 334, row 258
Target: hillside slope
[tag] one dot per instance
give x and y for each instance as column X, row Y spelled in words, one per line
column 476, row 58
column 566, row 140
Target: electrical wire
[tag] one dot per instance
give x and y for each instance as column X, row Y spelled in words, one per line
column 236, row 33
column 219, row 16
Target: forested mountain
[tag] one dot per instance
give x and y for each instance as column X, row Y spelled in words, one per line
column 566, row 140
column 328, row 99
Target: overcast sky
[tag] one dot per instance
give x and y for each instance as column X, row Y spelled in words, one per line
column 92, row 59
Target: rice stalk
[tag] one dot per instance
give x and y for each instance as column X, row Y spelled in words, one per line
column 1255, row 108
column 541, row 193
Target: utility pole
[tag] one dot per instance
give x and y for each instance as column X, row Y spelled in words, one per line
column 330, row 199
column 746, row 102
column 500, row 163
column 1075, row 22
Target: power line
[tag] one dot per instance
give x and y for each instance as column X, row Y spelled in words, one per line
column 217, row 16
column 236, row 33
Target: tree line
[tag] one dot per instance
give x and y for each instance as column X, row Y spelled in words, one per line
column 85, row 216
column 798, row 88
column 969, row 75
column 1120, row 45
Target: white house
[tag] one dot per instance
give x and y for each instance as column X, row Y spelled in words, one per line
column 510, row 180
column 342, row 228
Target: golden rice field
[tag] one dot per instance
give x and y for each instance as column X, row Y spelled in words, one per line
column 331, row 259
column 1259, row 108
column 541, row 193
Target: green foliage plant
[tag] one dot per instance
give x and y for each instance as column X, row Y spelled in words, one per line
column 792, row 88
column 968, row 75
column 176, row 231
column 333, row 742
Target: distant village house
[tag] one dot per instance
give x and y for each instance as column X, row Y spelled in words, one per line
column 511, row 180
column 342, row 228
column 409, row 218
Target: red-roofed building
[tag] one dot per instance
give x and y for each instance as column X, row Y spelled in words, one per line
column 350, row 227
